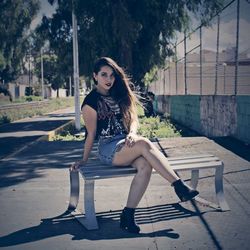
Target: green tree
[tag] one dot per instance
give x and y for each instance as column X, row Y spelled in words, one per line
column 58, row 32
column 137, row 34
column 16, row 17
column 51, row 69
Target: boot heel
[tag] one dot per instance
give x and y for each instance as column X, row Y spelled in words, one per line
column 127, row 220
column 183, row 191
column 123, row 222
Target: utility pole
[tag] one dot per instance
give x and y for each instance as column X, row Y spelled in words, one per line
column 76, row 72
column 70, row 87
column 29, row 92
column 42, row 82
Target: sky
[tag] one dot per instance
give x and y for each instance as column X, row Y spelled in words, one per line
column 227, row 35
column 46, row 9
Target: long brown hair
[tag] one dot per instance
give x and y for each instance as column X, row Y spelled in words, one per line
column 120, row 91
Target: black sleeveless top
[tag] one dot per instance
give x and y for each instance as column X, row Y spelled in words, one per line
column 109, row 117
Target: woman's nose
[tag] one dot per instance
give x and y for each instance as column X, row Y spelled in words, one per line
column 109, row 78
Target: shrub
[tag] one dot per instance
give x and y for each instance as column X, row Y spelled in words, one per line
column 152, row 127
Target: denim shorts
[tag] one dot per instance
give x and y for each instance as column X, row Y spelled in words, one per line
column 107, row 147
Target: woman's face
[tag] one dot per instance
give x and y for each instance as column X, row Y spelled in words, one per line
column 105, row 78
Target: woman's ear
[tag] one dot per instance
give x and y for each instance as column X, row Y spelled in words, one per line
column 95, row 76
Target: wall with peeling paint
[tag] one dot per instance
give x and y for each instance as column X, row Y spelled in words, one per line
column 209, row 115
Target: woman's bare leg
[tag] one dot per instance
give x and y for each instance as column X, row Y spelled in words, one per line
column 144, row 148
column 140, row 182
column 144, row 153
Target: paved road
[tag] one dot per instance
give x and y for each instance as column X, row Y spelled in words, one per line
column 14, row 136
column 34, row 193
column 34, row 190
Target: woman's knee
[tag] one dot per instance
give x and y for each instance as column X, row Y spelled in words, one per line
column 142, row 166
column 144, row 144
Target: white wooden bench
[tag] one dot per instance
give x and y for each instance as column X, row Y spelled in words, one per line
column 96, row 170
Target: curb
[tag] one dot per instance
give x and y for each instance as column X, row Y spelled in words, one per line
column 52, row 133
column 47, row 137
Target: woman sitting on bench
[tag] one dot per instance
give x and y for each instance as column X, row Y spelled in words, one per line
column 109, row 112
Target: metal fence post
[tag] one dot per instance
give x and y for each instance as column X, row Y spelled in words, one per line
column 200, row 60
column 185, row 61
column 217, row 56
column 176, row 77
column 237, row 49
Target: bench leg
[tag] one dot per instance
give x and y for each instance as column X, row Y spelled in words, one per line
column 219, row 188
column 74, row 190
column 223, row 206
column 194, row 178
column 88, row 219
column 89, row 205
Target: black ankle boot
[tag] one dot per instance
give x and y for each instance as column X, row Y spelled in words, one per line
column 127, row 220
column 183, row 191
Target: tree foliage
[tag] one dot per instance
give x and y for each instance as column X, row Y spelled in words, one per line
column 136, row 34
column 16, row 17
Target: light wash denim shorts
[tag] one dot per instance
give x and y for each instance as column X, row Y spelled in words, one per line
column 108, row 146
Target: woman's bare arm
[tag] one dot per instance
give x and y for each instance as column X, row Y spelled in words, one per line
column 130, row 139
column 133, row 127
column 90, row 119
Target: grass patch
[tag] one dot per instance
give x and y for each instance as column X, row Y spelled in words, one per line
column 54, row 104
column 5, row 100
column 69, row 134
column 152, row 127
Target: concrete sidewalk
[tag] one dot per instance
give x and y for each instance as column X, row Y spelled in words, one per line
column 16, row 135
column 35, row 191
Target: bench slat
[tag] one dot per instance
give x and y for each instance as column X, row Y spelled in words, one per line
column 173, row 164
column 109, row 174
column 172, row 160
column 200, row 165
column 121, row 171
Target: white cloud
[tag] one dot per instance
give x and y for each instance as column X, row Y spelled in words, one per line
column 46, row 9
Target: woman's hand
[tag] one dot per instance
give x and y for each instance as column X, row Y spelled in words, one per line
column 130, row 140
column 75, row 166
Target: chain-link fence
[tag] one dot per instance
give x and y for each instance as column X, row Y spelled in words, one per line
column 212, row 60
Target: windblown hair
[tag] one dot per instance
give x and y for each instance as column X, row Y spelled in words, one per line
column 120, row 91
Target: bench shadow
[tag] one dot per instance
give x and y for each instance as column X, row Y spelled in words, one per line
column 66, row 224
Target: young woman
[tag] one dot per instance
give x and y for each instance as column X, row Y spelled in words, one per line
column 109, row 113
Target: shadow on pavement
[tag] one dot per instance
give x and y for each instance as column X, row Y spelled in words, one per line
column 207, row 227
column 11, row 144
column 36, row 159
column 109, row 226
column 62, row 115
column 236, row 146
column 40, row 125
column 14, row 136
